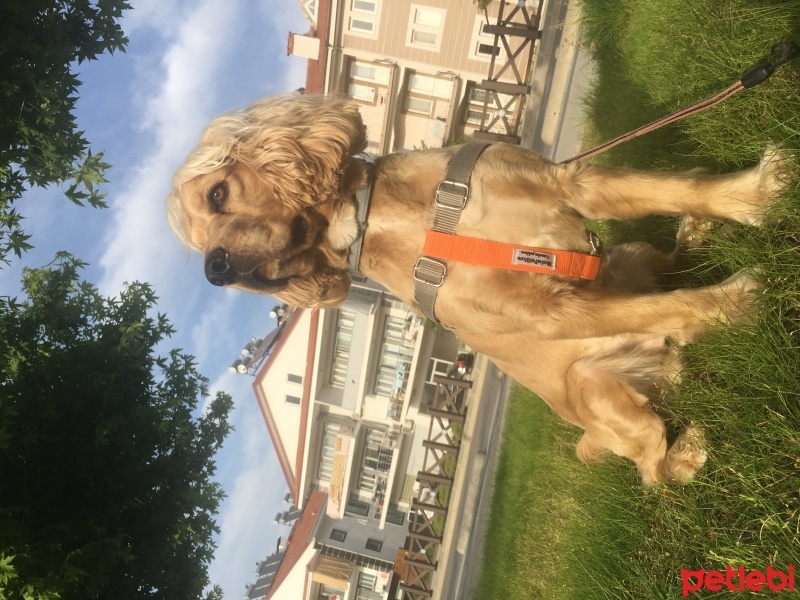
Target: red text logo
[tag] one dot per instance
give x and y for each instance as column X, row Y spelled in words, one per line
column 738, row 580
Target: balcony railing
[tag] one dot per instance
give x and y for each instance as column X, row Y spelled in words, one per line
column 408, row 340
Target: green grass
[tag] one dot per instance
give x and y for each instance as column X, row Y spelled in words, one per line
column 561, row 530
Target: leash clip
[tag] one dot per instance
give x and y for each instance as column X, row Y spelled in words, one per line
column 595, row 244
column 780, row 54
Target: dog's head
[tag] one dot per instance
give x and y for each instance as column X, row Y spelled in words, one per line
column 267, row 197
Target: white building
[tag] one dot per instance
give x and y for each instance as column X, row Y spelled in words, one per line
column 344, row 394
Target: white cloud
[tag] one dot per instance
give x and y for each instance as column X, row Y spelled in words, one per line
column 213, row 330
column 148, row 14
column 140, row 245
column 247, row 531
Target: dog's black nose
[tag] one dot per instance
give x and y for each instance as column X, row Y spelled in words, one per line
column 218, row 270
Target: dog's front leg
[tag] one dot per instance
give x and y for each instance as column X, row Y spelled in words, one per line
column 746, row 196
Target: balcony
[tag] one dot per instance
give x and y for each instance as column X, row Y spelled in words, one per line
column 374, row 481
column 404, row 356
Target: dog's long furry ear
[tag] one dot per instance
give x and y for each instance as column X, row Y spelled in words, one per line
column 326, row 288
column 300, row 144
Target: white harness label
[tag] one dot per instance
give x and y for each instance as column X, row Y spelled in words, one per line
column 531, row 257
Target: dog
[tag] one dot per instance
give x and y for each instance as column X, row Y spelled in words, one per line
column 268, row 197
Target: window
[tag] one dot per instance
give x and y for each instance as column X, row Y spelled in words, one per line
column 374, row 545
column 423, row 92
column 425, row 26
column 295, row 379
column 487, row 50
column 327, row 592
column 482, row 46
column 361, row 70
column 395, row 516
column 359, row 91
column 376, row 460
column 343, row 338
column 367, row 6
column 330, row 432
column 337, row 535
column 357, row 508
column 292, row 400
column 393, row 354
column 362, row 25
column 473, row 111
column 363, row 17
column 430, row 85
column 367, row 81
column 365, row 589
column 419, row 105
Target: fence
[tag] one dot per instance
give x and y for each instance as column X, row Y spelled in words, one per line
column 520, row 23
column 429, row 508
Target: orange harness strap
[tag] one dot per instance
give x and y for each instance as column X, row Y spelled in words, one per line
column 442, row 244
column 516, row 257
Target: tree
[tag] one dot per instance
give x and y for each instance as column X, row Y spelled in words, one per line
column 106, row 484
column 41, row 42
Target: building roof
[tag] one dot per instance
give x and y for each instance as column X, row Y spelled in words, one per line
column 315, row 71
column 292, row 466
column 299, row 539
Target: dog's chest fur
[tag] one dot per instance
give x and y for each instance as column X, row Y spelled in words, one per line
column 499, row 209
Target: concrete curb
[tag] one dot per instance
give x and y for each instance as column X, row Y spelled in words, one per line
column 554, row 66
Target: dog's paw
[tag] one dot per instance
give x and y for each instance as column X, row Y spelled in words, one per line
column 687, row 455
column 692, row 232
column 587, row 451
column 774, row 172
column 739, row 295
column 343, row 228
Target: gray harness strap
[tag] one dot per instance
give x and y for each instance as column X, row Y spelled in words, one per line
column 452, row 195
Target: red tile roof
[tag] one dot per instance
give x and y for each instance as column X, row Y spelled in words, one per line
column 315, row 72
column 292, row 480
column 299, row 538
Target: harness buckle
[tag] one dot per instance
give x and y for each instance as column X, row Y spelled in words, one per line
column 430, row 271
column 595, row 244
column 443, row 194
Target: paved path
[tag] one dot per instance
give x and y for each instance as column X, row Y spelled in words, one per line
column 562, row 73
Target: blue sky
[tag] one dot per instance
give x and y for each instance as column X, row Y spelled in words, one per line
column 187, row 61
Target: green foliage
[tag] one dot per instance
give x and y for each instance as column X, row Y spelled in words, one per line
column 215, row 593
column 107, row 487
column 41, row 42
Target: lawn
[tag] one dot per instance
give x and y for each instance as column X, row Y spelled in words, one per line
column 562, row 530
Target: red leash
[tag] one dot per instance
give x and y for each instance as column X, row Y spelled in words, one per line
column 782, row 52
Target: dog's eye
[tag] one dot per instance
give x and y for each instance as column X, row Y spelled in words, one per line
column 217, row 196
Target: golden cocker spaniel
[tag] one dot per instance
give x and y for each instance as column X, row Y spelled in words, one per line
column 268, row 197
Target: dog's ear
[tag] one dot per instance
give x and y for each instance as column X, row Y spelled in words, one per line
column 301, row 145
column 326, row 288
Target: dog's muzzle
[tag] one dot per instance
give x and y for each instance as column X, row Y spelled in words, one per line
column 218, row 269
